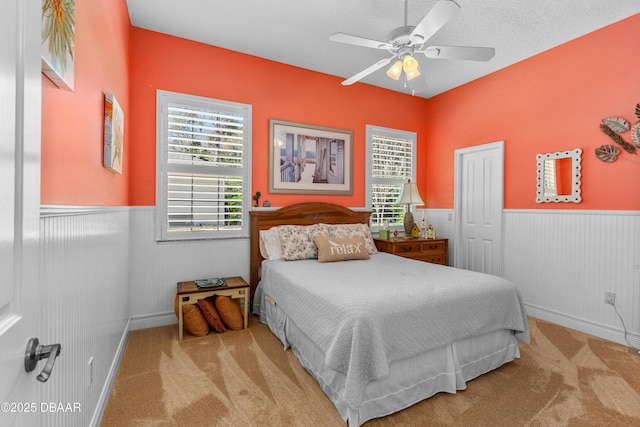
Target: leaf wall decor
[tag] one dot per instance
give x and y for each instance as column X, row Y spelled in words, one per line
column 617, row 124
column 635, row 133
column 618, row 139
column 607, row 153
column 638, row 110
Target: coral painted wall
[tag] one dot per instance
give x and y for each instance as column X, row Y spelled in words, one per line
column 552, row 102
column 273, row 89
column 72, row 122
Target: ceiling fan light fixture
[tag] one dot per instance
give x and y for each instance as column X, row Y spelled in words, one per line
column 413, row 74
column 395, row 70
column 406, row 41
column 409, row 64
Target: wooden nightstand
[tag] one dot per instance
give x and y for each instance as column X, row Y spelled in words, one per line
column 435, row 251
column 189, row 293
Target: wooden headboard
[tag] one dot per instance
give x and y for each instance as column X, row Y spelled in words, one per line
column 298, row 214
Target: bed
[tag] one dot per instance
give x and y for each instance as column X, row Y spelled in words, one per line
column 378, row 332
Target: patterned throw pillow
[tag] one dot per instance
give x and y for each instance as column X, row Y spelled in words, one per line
column 297, row 240
column 332, row 249
column 211, row 314
column 354, row 230
column 230, row 312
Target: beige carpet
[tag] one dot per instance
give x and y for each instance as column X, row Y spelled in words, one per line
column 246, row 379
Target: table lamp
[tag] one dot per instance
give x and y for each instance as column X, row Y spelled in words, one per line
column 409, row 196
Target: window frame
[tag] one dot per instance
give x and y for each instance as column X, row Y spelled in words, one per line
column 371, row 131
column 163, row 99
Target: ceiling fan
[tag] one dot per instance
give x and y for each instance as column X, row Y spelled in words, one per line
column 407, row 41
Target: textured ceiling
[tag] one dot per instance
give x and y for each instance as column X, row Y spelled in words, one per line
column 296, row 32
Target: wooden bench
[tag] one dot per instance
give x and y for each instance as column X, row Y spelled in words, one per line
column 189, row 293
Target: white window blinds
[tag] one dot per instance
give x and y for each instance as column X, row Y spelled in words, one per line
column 391, row 163
column 204, row 164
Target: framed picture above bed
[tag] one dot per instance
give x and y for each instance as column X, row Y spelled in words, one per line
column 310, row 159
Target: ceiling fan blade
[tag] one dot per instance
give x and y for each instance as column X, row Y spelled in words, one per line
column 359, row 41
column 435, row 19
column 460, row 52
column 366, row 72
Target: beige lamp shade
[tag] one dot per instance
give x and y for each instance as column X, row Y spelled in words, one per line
column 410, row 195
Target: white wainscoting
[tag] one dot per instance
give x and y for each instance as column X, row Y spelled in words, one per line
column 156, row 267
column 102, row 272
column 85, row 306
column 563, row 261
column 443, row 224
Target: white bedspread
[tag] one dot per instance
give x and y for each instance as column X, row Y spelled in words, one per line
column 366, row 314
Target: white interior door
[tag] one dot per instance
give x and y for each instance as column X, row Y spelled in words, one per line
column 20, row 113
column 479, row 181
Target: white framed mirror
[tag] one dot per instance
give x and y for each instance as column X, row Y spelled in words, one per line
column 558, row 177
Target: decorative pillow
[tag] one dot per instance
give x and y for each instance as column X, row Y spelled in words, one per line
column 354, row 230
column 297, row 240
column 210, row 313
column 270, row 247
column 192, row 319
column 332, row 249
column 230, row 312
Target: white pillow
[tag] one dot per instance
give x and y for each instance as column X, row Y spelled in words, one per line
column 270, row 247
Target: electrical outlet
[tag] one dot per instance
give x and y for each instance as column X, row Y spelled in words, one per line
column 609, row 297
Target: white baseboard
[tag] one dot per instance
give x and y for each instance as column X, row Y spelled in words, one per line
column 153, row 320
column 111, row 377
column 583, row 325
column 141, row 322
column 562, row 319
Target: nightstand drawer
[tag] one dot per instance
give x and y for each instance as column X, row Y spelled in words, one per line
column 433, row 246
column 435, row 251
column 407, row 248
column 436, row 258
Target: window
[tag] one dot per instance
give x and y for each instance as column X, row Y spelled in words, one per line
column 203, row 172
column 391, row 161
column 333, row 156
